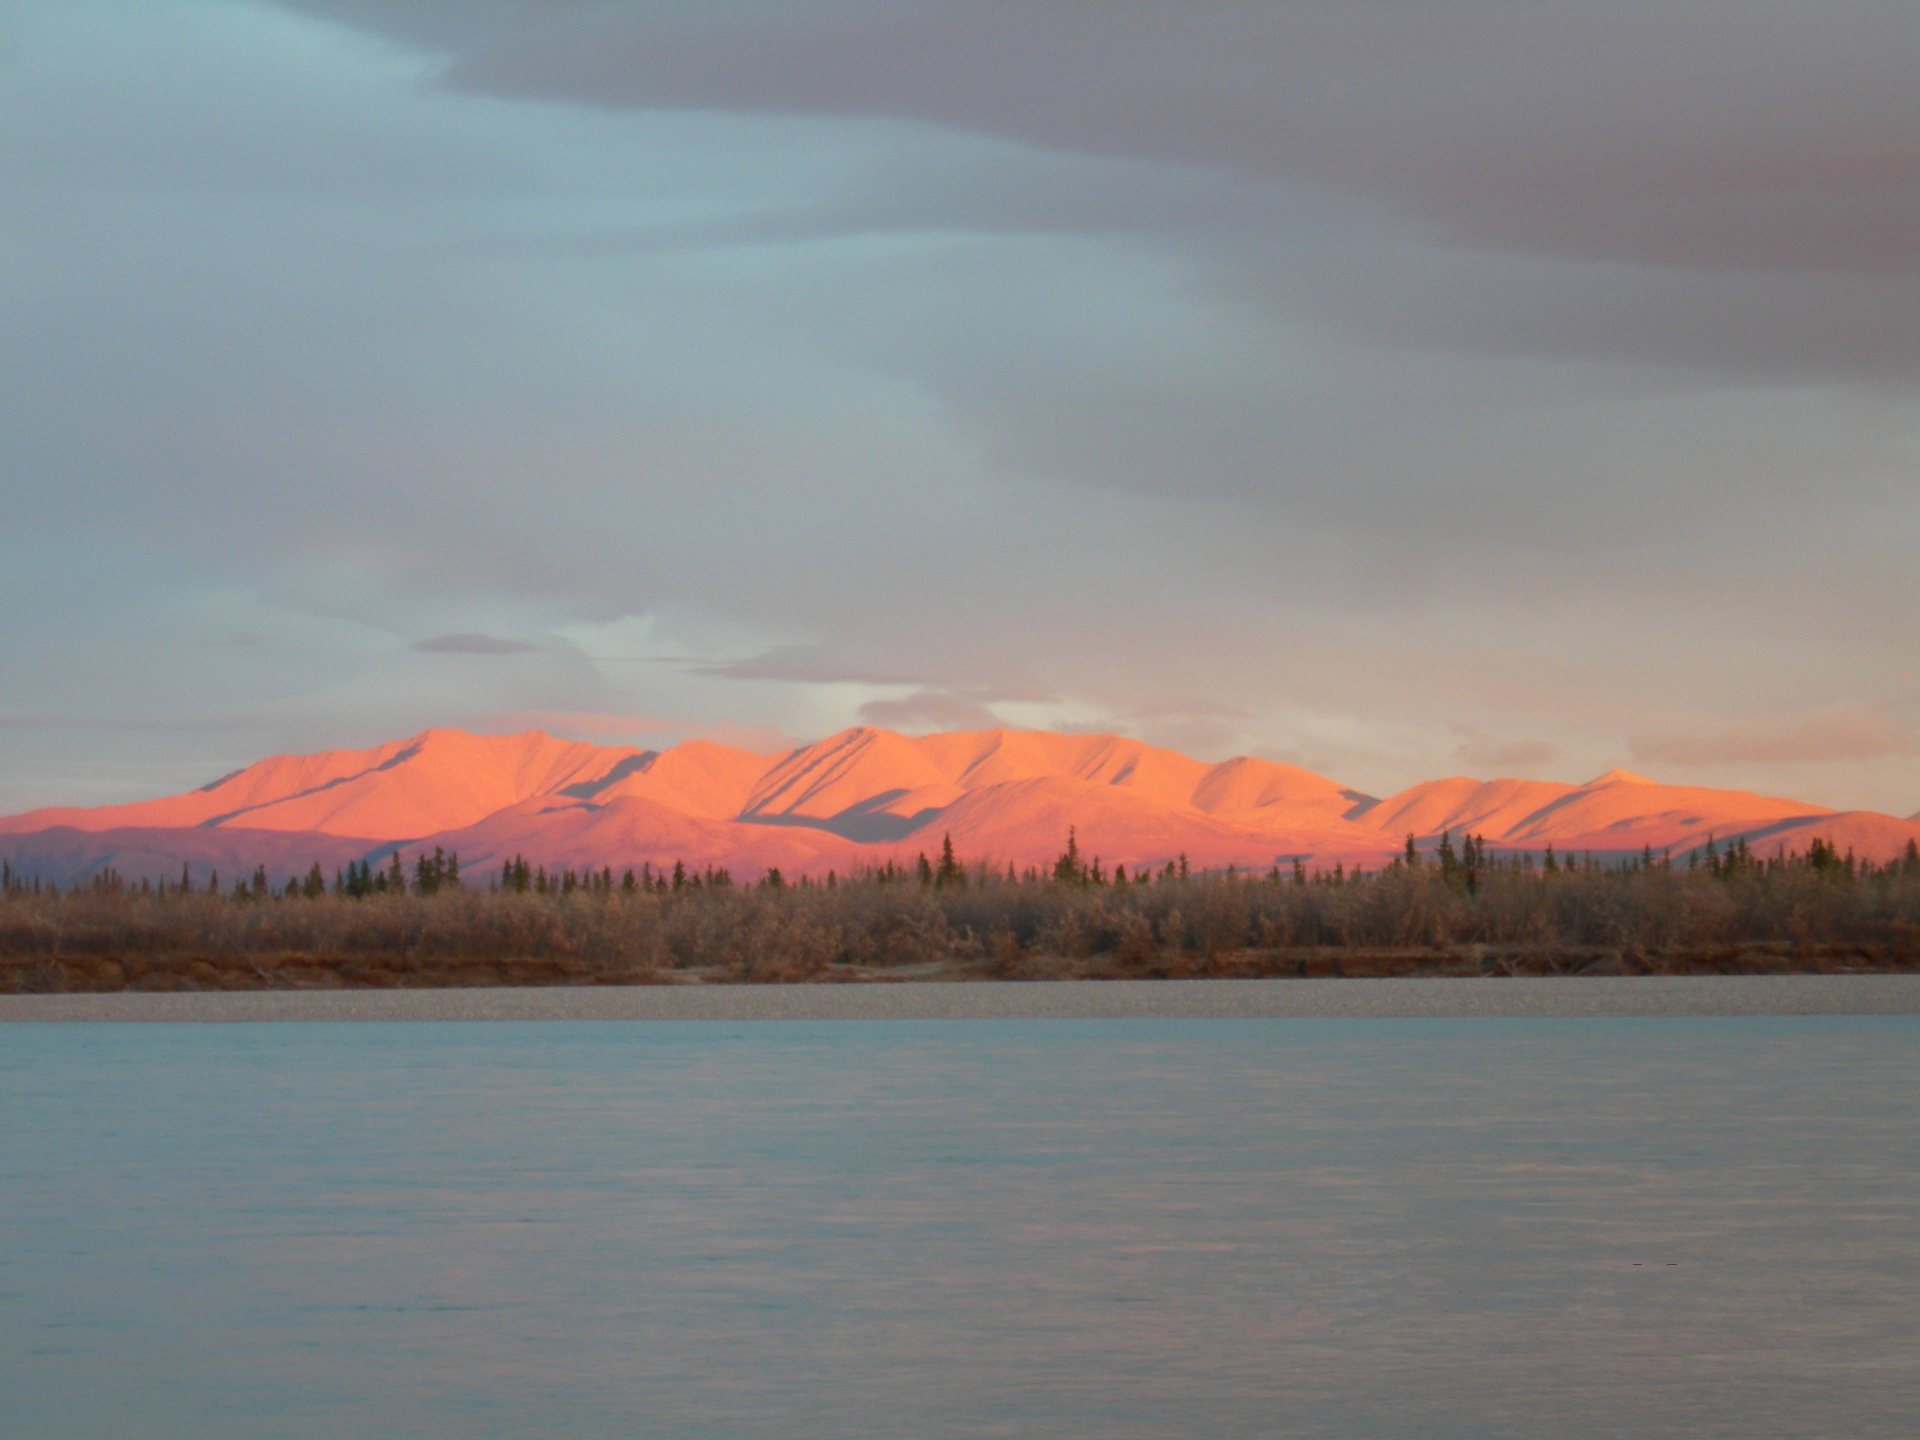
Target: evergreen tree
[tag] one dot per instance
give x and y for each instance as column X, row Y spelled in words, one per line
column 1067, row 870
column 950, row 871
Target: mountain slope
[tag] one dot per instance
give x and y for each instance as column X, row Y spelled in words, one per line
column 401, row 790
column 867, row 795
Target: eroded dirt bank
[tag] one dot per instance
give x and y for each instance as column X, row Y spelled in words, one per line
column 106, row 974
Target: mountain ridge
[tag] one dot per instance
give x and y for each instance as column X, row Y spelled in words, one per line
column 867, row 795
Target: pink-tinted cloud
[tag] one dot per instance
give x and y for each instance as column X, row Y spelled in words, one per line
column 930, row 709
column 1485, row 755
column 1838, row 733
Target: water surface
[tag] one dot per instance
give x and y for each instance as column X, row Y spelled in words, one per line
column 1572, row 1228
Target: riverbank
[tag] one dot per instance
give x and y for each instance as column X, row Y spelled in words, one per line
column 1493, row 998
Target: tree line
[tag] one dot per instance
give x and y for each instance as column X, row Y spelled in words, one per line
column 1461, row 868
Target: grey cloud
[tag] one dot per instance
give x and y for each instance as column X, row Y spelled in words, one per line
column 1187, row 710
column 1205, row 737
column 808, row 665
column 1491, row 755
column 1837, row 733
column 1705, row 136
column 930, row 709
column 1691, row 186
column 831, row 665
column 472, row 644
column 1289, row 355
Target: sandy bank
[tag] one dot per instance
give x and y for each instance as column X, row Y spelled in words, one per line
column 1117, row 999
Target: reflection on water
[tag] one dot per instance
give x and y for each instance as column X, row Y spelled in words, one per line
column 1131, row 1228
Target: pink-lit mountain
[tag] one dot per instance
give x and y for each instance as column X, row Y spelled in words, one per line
column 866, row 795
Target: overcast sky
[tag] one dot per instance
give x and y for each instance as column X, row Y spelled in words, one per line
column 1397, row 389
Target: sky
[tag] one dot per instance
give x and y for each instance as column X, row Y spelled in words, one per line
column 1397, row 388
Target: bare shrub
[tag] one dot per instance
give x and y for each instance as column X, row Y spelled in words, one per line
column 1012, row 927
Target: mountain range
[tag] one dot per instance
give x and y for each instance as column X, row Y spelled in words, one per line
column 865, row 796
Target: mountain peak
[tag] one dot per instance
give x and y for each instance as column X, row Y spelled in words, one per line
column 868, row 795
column 1617, row 776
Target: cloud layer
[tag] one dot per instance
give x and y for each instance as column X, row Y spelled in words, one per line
column 1389, row 387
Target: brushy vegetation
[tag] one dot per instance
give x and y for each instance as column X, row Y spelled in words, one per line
column 594, row 926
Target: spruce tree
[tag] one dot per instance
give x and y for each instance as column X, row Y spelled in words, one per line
column 950, row 871
column 1067, row 869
